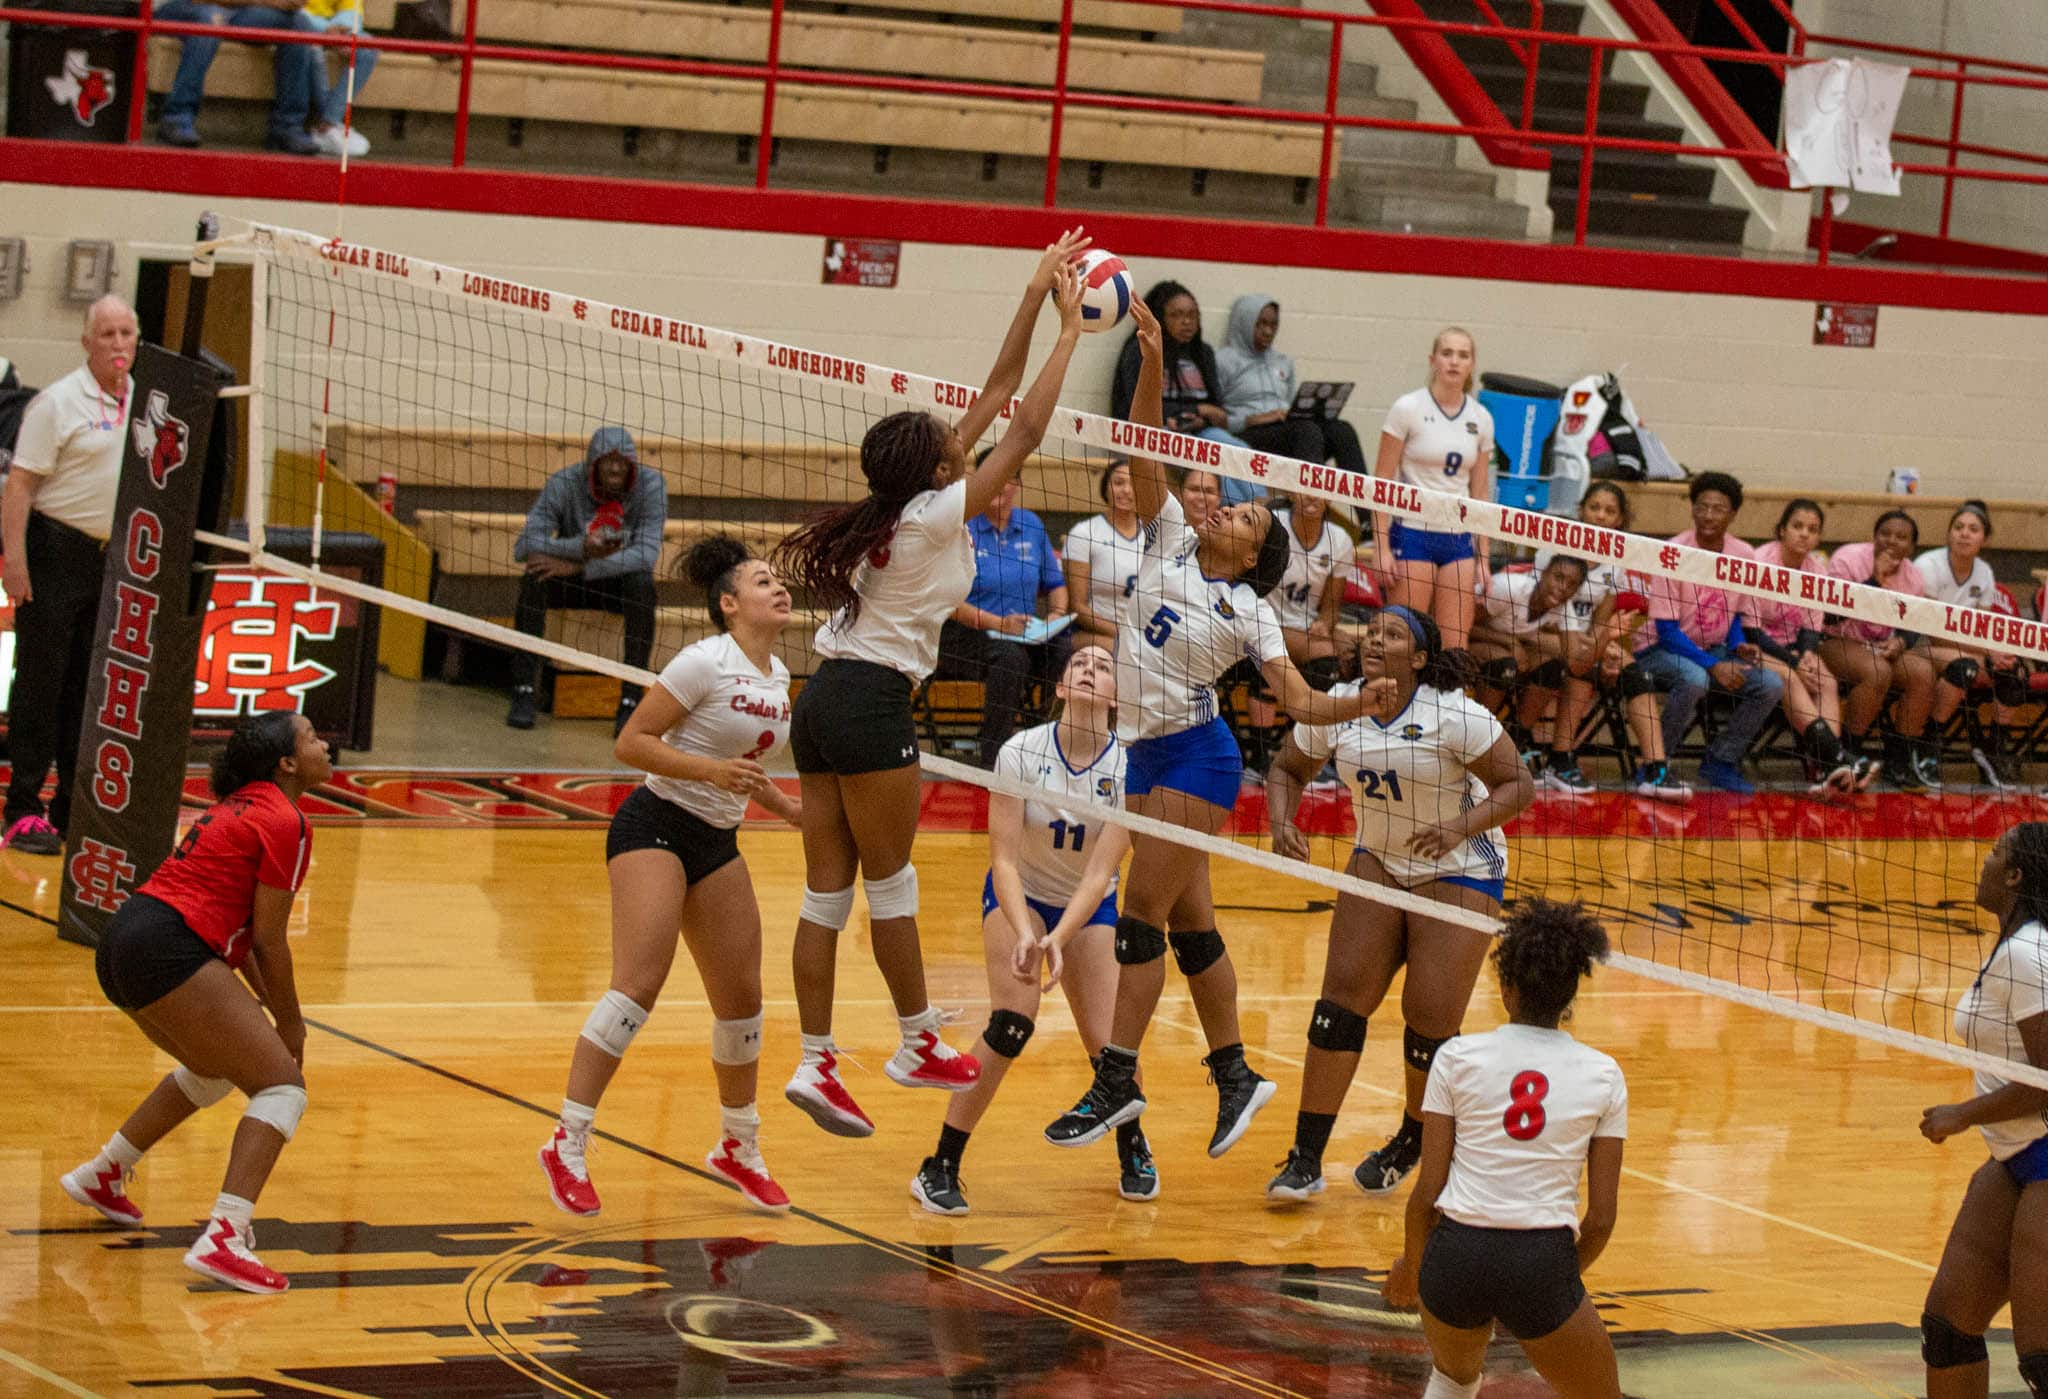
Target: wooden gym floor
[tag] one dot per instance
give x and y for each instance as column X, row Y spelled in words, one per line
column 1780, row 1213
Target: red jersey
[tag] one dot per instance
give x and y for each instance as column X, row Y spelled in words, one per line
column 254, row 836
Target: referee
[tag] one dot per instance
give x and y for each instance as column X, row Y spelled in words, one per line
column 55, row 514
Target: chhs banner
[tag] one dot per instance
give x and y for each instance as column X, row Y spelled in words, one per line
column 138, row 717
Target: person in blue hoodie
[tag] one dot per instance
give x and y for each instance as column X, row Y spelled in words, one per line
column 1257, row 386
column 591, row 540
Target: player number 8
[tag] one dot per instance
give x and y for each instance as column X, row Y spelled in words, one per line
column 1524, row 1119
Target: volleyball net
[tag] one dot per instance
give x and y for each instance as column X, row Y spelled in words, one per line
column 450, row 397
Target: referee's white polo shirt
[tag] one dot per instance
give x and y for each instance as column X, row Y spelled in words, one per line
column 72, row 436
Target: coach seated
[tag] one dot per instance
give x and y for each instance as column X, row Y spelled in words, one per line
column 1015, row 565
column 591, row 540
column 293, row 69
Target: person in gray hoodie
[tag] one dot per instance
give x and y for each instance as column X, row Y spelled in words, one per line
column 1257, row 387
column 591, row 540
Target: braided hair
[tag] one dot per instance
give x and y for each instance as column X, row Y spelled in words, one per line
column 1544, row 950
column 2027, row 852
column 254, row 750
column 898, row 456
column 710, row 565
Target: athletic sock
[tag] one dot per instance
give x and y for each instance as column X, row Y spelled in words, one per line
column 1562, row 760
column 1119, row 1062
column 1410, row 1129
column 952, row 1145
column 1312, row 1133
column 1442, row 1386
column 915, row 1025
column 576, row 1117
column 1822, row 743
column 816, row 1046
column 119, row 1151
column 743, row 1123
column 235, row 1208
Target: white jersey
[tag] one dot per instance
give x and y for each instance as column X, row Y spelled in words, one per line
column 1111, row 560
column 1057, row 832
column 2012, row 987
column 1299, row 598
column 1527, row 1103
column 1507, row 606
column 1604, row 580
column 1439, row 450
column 908, row 587
column 1980, row 589
column 72, row 436
column 1179, row 630
column 731, row 710
column 1412, row 773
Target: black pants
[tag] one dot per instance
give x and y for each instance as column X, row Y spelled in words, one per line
column 53, row 644
column 630, row 595
column 1309, row 440
column 1005, row 670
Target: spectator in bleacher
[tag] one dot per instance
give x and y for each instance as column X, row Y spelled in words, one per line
column 1193, row 405
column 56, row 514
column 1873, row 660
column 1524, row 638
column 1701, row 645
column 1306, row 603
column 1789, row 636
column 1101, row 555
column 1015, row 565
column 330, row 100
column 1957, row 575
column 292, row 70
column 1257, row 386
column 591, row 541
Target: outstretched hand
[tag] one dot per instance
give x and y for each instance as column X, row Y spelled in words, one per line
column 1149, row 343
column 1059, row 253
column 1066, row 296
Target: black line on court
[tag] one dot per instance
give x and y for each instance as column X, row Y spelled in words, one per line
column 875, row 1241
column 14, row 907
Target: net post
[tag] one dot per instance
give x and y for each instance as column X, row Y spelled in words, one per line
column 256, row 470
column 201, row 269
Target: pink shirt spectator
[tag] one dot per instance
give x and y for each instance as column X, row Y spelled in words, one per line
column 1782, row 621
column 1855, row 563
column 1702, row 613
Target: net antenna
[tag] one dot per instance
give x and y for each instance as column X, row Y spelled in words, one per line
column 471, row 389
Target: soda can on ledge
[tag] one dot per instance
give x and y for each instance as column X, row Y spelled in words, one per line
column 1905, row 480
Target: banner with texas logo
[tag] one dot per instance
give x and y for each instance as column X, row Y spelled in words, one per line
column 138, row 717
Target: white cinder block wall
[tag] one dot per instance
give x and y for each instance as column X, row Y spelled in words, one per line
column 1731, row 382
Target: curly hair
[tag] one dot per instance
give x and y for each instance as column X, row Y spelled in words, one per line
column 709, row 565
column 1719, row 481
column 254, row 750
column 898, row 456
column 1545, row 949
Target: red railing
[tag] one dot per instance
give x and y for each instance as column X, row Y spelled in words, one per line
column 1520, row 144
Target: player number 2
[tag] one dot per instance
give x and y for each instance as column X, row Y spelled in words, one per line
column 1379, row 786
column 1061, row 830
column 1453, row 462
column 1524, row 1118
column 761, row 745
column 1161, row 626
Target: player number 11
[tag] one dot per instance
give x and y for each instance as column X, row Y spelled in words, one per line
column 1060, row 831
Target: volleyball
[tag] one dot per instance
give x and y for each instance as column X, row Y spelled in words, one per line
column 1106, row 291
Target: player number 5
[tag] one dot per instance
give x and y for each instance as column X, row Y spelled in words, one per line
column 1161, row 626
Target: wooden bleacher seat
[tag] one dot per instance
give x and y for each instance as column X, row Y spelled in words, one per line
column 479, row 542
column 602, row 633
column 732, row 106
column 805, row 472
column 1088, row 14
column 879, row 44
column 948, row 717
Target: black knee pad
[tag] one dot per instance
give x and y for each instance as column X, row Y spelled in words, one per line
column 1499, row 673
column 1138, row 942
column 1331, row 1026
column 1944, row 1348
column 2034, row 1370
column 1634, row 680
column 1960, row 672
column 1547, row 676
column 1008, row 1032
column 1196, row 952
column 1420, row 1050
column 1321, row 673
column 2009, row 686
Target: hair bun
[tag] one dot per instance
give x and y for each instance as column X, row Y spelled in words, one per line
column 711, row 559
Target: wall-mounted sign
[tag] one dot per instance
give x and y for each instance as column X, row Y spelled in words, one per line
column 862, row 262
column 1841, row 323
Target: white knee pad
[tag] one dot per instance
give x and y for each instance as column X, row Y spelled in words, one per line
column 736, row 1041
column 894, row 897
column 281, row 1107
column 204, row 1092
column 827, row 910
column 613, row 1022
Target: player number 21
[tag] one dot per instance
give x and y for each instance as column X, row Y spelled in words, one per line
column 1379, row 786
